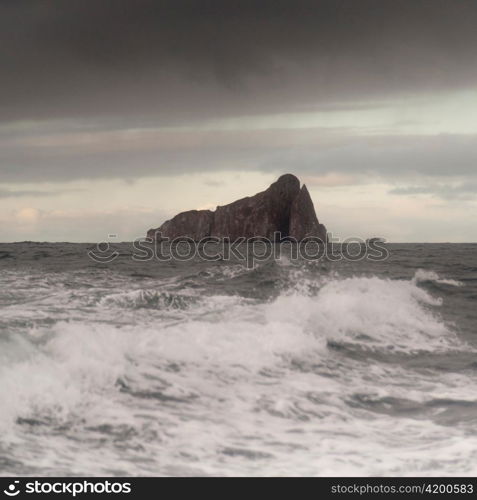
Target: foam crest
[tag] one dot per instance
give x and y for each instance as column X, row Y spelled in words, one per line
column 372, row 312
column 65, row 373
column 421, row 276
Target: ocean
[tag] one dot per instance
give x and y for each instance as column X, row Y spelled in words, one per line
column 197, row 368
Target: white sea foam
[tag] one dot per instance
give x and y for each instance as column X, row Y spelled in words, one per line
column 377, row 313
column 238, row 386
column 422, row 275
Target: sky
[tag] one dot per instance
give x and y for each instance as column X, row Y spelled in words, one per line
column 117, row 114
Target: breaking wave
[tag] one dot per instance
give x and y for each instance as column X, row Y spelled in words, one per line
column 320, row 378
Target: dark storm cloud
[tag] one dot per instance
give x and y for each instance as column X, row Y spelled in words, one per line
column 179, row 60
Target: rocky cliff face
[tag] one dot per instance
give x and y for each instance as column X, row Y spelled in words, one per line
column 195, row 224
column 283, row 207
column 303, row 220
column 259, row 215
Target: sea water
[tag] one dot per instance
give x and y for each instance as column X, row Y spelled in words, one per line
column 293, row 367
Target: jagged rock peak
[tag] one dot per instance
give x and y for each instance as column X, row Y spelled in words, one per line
column 283, row 208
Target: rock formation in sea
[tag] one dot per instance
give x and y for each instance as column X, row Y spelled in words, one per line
column 283, row 208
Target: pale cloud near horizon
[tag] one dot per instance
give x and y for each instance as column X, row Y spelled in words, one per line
column 347, row 210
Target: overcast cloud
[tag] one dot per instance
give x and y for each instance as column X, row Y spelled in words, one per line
column 178, row 59
column 350, row 94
